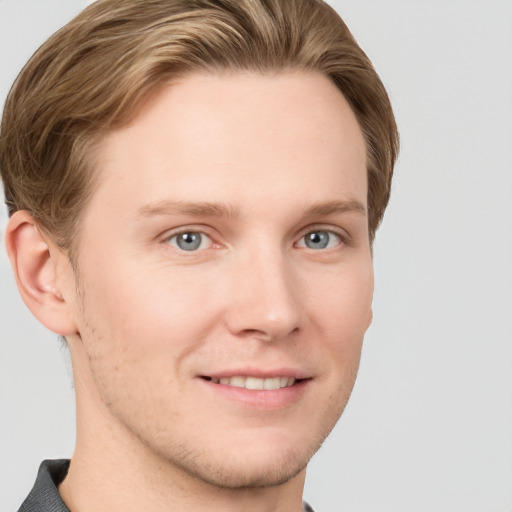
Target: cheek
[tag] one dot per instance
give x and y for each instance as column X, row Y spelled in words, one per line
column 132, row 337
column 143, row 326
column 343, row 316
column 344, row 305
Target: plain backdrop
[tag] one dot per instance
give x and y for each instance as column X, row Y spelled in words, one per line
column 429, row 425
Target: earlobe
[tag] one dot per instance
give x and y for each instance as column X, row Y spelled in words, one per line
column 36, row 273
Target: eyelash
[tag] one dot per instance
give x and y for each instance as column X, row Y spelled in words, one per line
column 342, row 239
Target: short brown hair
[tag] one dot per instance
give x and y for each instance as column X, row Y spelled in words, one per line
column 93, row 74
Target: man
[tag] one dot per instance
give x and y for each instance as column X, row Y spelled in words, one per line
column 194, row 189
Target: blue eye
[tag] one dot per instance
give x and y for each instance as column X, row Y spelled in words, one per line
column 320, row 239
column 190, row 241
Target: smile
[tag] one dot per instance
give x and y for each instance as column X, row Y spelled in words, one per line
column 255, row 383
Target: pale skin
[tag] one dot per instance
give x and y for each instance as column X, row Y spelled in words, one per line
column 227, row 238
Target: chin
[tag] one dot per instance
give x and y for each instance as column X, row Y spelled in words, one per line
column 247, row 473
column 243, row 463
column 231, row 457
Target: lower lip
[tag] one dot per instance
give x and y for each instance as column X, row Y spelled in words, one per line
column 258, row 398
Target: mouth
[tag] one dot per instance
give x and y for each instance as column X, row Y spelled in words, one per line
column 256, row 389
column 255, row 383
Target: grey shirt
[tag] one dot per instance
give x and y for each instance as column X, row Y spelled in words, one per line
column 45, row 497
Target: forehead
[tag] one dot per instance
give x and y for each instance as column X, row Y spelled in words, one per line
column 242, row 136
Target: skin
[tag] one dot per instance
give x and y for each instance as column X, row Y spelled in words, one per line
column 279, row 157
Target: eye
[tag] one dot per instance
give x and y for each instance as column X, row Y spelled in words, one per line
column 190, row 241
column 321, row 239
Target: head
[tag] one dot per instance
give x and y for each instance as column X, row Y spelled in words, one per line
column 203, row 182
column 94, row 74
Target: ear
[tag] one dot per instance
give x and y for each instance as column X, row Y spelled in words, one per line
column 36, row 273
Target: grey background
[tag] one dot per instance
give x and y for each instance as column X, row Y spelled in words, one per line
column 429, row 425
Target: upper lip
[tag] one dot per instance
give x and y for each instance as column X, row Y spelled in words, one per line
column 259, row 373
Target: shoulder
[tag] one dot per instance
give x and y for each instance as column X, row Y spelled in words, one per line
column 44, row 496
column 306, row 507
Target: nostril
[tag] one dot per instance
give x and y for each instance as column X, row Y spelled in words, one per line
column 254, row 333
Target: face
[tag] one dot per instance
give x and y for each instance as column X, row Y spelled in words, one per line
column 225, row 274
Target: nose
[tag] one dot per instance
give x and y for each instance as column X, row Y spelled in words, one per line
column 263, row 297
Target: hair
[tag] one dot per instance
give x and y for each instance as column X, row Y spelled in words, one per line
column 94, row 74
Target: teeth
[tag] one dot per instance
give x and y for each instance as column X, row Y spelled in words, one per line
column 254, row 383
column 273, row 383
column 239, row 381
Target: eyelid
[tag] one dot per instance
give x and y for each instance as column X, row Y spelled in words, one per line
column 188, row 228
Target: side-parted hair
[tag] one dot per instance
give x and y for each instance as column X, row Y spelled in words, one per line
column 94, row 74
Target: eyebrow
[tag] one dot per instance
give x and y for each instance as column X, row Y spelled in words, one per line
column 200, row 209
column 334, row 207
column 208, row 209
